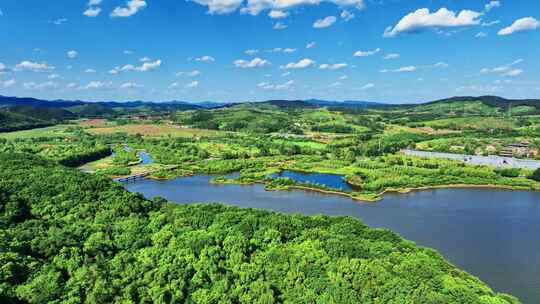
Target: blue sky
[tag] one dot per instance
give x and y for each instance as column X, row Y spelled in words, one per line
column 396, row 51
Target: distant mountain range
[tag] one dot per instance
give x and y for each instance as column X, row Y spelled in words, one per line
column 99, row 108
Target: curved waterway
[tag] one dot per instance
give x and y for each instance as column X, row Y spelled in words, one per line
column 492, row 234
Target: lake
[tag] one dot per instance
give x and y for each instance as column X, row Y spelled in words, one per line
column 492, row 234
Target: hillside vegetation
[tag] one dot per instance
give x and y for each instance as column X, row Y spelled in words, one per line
column 69, row 237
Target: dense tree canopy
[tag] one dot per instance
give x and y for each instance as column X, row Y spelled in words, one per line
column 70, row 237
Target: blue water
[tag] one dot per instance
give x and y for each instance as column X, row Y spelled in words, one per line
column 329, row 180
column 492, row 234
column 146, row 159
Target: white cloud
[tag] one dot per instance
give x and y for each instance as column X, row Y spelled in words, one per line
column 251, row 52
column 193, row 73
column 366, row 53
column 130, row 86
column 192, row 84
column 344, row 77
column 220, row 7
column 96, row 85
column 59, row 21
column 133, row 6
column 144, row 59
column 254, row 63
column 513, row 73
column 520, row 25
column 490, row 23
column 391, row 56
column 94, row 2
column 92, row 12
column 405, row 69
column 254, row 7
column 480, row 35
column 336, row 84
column 205, row 59
column 40, row 86
column 72, row 54
column 503, row 68
column 71, row 85
column 33, row 66
column 2, row 67
column 491, row 5
column 128, row 52
column 283, row 86
column 277, row 14
column 53, row 76
column 367, row 86
column 89, row 71
column 145, row 67
column 311, row 45
column 302, row 64
column 346, row 15
column 422, row 19
column 286, row 74
column 335, row 66
column 325, row 22
column 8, row 83
column 280, row 26
column 441, row 64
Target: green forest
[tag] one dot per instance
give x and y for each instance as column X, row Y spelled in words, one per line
column 70, row 237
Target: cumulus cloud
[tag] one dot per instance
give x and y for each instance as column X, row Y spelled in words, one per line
column 302, row 64
column 277, row 14
column 92, row 12
column 130, row 86
column 192, row 84
column 513, row 73
column 33, row 66
column 491, row 5
column 269, row 86
column 72, row 54
column 220, row 7
column 423, row 19
column 366, row 53
column 96, row 85
column 132, row 7
column 193, row 73
column 335, row 66
column 391, row 56
column 8, row 83
column 520, row 25
column 255, row 7
column 40, row 86
column 145, row 67
column 346, row 15
column 280, row 26
column 205, row 59
column 311, row 45
column 254, row 63
column 251, row 52
column 325, row 22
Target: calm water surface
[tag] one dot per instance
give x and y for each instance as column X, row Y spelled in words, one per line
column 333, row 181
column 493, row 234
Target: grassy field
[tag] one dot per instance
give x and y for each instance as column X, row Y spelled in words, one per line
column 150, row 130
column 54, row 131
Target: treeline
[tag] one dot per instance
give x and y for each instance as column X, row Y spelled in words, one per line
column 69, row 237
